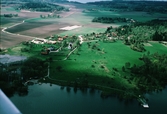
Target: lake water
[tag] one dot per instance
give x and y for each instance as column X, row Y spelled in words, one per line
column 5, row 59
column 46, row 99
column 85, row 1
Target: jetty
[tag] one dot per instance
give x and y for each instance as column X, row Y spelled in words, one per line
column 143, row 102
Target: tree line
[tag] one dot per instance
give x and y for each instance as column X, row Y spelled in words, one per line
column 10, row 15
column 145, row 6
column 109, row 19
column 41, row 6
column 49, row 16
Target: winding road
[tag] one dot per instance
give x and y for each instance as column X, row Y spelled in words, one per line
column 4, row 30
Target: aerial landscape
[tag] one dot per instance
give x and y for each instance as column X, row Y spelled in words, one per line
column 84, row 57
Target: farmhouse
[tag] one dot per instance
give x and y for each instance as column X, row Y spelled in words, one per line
column 45, row 52
column 111, row 38
column 165, row 43
column 60, row 39
column 39, row 41
column 114, row 34
column 66, row 36
column 51, row 42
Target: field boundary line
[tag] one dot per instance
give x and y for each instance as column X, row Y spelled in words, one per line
column 5, row 28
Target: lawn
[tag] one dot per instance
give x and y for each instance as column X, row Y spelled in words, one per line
column 97, row 66
column 157, row 47
column 88, row 63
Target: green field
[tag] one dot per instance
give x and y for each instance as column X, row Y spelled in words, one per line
column 110, row 55
column 9, row 9
column 6, row 21
column 139, row 16
column 157, row 47
column 97, row 66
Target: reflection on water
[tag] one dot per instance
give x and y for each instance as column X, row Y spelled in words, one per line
column 11, row 58
column 84, row 1
column 46, row 99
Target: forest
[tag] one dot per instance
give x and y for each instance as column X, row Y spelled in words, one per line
column 145, row 6
column 41, row 6
column 109, row 19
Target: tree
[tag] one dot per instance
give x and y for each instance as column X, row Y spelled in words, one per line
column 157, row 36
column 64, row 43
column 49, row 15
column 123, row 68
column 127, row 65
column 33, row 67
column 41, row 16
column 59, row 68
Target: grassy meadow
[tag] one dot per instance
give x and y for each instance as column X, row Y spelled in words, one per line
column 98, row 66
column 156, row 47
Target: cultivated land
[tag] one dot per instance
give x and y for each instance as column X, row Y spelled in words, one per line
column 93, row 63
column 38, row 27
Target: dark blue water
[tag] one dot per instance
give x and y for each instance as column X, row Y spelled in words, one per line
column 85, row 1
column 46, row 99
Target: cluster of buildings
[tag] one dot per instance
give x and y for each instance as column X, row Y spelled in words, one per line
column 43, row 41
column 48, row 41
column 165, row 43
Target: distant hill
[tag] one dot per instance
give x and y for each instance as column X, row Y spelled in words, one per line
column 34, row 0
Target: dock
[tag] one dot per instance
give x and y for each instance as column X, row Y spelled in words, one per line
column 143, row 102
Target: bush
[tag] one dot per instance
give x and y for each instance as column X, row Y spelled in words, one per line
column 93, row 66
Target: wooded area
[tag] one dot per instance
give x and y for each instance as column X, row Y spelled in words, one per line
column 145, row 6
column 41, row 6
